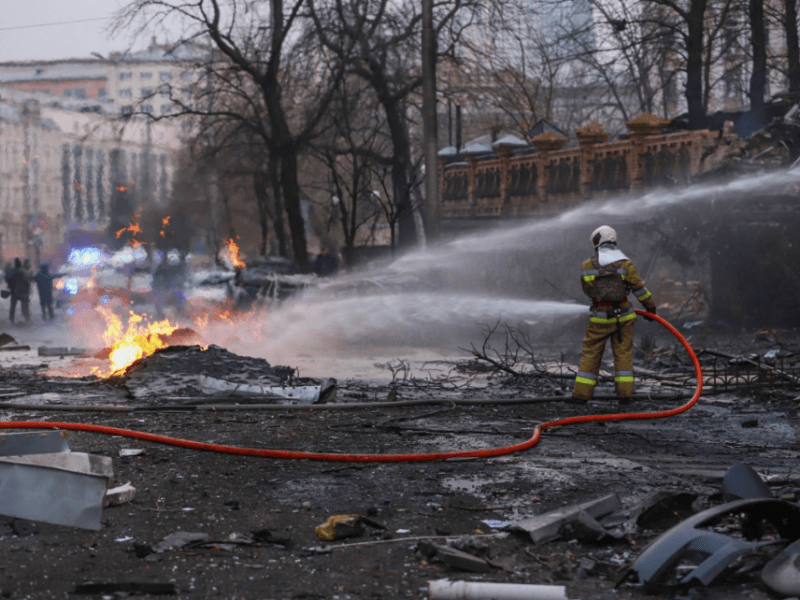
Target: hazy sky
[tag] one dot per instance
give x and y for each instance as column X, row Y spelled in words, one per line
column 47, row 29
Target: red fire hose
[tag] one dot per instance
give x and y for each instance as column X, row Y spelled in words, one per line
column 424, row 457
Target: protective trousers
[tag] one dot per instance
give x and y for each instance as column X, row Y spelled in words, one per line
column 594, row 344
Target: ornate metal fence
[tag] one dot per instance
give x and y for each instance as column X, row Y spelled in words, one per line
column 512, row 179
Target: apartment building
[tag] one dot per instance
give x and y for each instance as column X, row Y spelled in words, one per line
column 64, row 170
column 156, row 80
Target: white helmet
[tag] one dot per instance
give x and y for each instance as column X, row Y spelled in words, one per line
column 603, row 235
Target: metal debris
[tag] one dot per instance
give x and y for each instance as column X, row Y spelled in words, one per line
column 65, row 488
column 658, row 564
column 741, row 481
column 303, row 394
column 782, row 573
column 59, row 351
column 17, row 444
column 546, row 527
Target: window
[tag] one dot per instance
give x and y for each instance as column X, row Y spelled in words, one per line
column 166, row 108
column 145, row 75
column 164, row 91
column 186, row 91
column 75, row 93
column 165, row 76
column 186, row 75
column 147, row 92
column 125, row 76
column 147, row 108
column 125, row 94
column 126, row 110
column 101, row 92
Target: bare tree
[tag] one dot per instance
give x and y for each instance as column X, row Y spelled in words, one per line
column 505, row 69
column 758, row 77
column 379, row 41
column 348, row 149
column 792, row 44
column 261, row 61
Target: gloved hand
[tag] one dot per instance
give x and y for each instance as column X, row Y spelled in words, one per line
column 646, row 318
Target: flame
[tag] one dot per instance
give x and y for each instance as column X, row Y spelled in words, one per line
column 140, row 339
column 122, row 188
column 134, row 228
column 164, row 225
column 232, row 254
column 78, row 186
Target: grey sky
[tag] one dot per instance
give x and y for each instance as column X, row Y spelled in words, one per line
column 46, row 29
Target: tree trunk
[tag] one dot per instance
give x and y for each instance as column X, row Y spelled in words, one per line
column 758, row 78
column 694, row 63
column 291, row 197
column 401, row 158
column 260, row 182
column 277, row 194
column 792, row 45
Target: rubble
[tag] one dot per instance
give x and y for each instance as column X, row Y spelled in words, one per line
column 782, row 573
column 122, row 494
column 65, row 488
column 179, row 539
column 776, row 145
column 741, row 482
column 549, row 526
column 339, row 527
column 653, row 474
column 662, row 563
column 307, row 394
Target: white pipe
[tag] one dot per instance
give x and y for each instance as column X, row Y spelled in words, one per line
column 443, row 589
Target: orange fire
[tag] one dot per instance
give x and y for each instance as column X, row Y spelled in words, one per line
column 140, row 339
column 232, row 254
column 164, row 225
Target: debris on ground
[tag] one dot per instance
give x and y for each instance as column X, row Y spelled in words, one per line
column 577, row 520
column 44, row 481
column 248, row 525
column 339, row 527
column 691, row 552
column 774, row 146
column 443, row 589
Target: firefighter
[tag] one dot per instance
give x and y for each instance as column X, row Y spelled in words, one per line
column 608, row 278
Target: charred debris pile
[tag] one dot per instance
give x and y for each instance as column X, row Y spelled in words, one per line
column 774, row 146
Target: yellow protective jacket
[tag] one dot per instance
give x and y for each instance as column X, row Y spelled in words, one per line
column 632, row 280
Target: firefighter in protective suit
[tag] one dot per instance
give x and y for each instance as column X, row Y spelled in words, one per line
column 608, row 278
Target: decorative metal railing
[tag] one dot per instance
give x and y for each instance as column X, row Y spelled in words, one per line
column 515, row 179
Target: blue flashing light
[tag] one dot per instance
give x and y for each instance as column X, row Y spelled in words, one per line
column 71, row 286
column 105, row 299
column 70, row 311
column 85, row 257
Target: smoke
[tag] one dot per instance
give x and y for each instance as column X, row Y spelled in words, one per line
column 444, row 297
